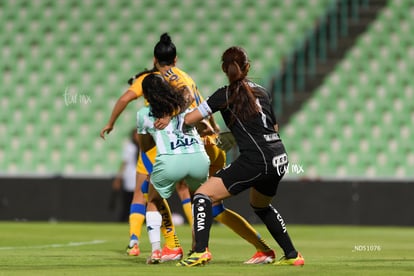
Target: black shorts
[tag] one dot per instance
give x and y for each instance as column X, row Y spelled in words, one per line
column 241, row 175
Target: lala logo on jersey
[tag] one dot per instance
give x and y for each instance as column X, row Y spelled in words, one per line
column 183, row 143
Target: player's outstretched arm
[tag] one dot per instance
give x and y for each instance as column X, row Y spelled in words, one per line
column 120, row 105
column 193, row 117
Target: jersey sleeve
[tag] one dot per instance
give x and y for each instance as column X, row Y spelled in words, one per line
column 213, row 103
column 217, row 100
column 136, row 87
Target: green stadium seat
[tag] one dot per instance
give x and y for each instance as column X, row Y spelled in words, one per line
column 371, row 111
column 93, row 47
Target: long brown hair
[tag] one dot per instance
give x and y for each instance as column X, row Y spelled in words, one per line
column 241, row 96
column 163, row 99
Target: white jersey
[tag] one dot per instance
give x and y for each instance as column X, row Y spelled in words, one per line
column 176, row 138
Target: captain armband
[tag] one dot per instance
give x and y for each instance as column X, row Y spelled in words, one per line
column 204, row 109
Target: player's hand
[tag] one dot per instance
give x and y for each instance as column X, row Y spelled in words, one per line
column 161, row 123
column 204, row 128
column 107, row 129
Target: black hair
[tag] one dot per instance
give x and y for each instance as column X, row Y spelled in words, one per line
column 163, row 99
column 145, row 71
column 165, row 51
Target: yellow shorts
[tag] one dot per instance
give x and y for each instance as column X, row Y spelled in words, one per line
column 217, row 158
column 146, row 161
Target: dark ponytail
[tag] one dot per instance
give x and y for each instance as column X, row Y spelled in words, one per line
column 242, row 100
column 165, row 51
column 145, row 71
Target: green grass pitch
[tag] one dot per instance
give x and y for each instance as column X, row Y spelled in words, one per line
column 36, row 248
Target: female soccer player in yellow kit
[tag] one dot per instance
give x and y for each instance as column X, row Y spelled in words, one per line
column 164, row 60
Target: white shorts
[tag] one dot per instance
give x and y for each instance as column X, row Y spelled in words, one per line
column 169, row 169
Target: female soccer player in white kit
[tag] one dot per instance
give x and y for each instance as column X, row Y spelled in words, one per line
column 180, row 151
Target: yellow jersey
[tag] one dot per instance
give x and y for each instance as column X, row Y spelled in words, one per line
column 176, row 78
column 179, row 79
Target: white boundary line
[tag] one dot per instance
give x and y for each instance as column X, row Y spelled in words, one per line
column 53, row 245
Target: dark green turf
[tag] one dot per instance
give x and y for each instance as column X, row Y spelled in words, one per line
column 29, row 248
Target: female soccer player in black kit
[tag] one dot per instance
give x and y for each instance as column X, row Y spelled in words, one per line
column 247, row 112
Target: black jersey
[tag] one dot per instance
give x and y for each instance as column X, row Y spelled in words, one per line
column 256, row 138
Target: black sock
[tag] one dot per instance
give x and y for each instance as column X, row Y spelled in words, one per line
column 277, row 228
column 203, row 217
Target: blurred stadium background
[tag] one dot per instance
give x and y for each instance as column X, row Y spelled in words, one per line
column 340, row 73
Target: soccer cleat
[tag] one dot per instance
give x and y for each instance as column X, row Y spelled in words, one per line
column 155, row 257
column 298, row 261
column 262, row 257
column 171, row 254
column 196, row 259
column 133, row 251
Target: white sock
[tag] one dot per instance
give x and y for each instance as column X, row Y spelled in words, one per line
column 154, row 219
column 133, row 242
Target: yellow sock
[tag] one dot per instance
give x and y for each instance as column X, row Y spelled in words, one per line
column 136, row 220
column 167, row 227
column 187, row 210
column 241, row 227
